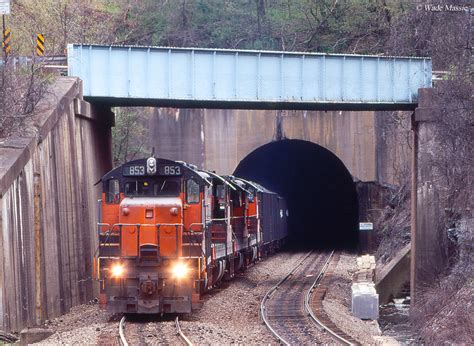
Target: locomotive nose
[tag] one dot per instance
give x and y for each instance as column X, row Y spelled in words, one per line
column 160, row 223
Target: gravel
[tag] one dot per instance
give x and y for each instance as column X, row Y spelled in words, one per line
column 230, row 313
column 337, row 305
column 86, row 324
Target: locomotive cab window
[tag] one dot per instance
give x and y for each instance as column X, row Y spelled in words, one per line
column 137, row 188
column 219, row 205
column 250, row 197
column 236, row 198
column 112, row 195
column 220, row 191
column 192, row 192
column 166, row 188
column 155, row 188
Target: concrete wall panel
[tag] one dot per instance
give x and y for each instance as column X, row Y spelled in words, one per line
column 349, row 135
column 229, row 135
column 219, row 139
column 48, row 206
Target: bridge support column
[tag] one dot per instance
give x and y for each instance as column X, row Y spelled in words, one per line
column 428, row 257
column 94, row 126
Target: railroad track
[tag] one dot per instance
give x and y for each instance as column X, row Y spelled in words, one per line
column 123, row 341
column 314, row 303
column 286, row 309
column 179, row 332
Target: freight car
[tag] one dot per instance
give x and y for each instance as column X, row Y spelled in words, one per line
column 169, row 231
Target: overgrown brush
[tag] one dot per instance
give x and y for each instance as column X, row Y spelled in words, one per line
column 21, row 88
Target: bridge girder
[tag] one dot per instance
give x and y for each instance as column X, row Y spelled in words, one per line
column 221, row 78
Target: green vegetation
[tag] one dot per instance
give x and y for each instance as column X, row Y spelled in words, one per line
column 130, row 135
column 305, row 25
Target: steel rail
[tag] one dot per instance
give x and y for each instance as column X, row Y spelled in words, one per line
column 269, row 294
column 180, row 333
column 310, row 312
column 121, row 332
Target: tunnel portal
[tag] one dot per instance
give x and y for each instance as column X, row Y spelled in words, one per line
column 320, row 192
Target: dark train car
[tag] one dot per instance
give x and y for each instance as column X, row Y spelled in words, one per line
column 273, row 214
column 169, row 231
column 274, row 220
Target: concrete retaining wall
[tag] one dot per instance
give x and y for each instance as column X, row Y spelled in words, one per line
column 393, row 277
column 218, row 139
column 48, row 208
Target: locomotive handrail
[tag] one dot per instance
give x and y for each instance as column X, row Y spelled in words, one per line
column 218, row 219
column 108, row 233
column 195, row 224
column 147, row 224
column 193, row 234
column 139, row 226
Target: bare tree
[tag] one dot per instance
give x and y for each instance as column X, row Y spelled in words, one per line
column 64, row 21
column 445, row 36
column 21, row 88
column 129, row 135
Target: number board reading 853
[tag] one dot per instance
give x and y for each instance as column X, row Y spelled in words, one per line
column 140, row 170
column 174, row 170
column 137, row 170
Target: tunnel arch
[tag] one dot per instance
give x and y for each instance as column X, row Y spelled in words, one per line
column 319, row 189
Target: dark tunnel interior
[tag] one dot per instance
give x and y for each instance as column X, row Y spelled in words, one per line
column 321, row 195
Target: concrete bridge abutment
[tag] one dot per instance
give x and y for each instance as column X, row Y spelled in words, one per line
column 428, row 239
column 218, row 139
column 369, row 144
column 48, row 207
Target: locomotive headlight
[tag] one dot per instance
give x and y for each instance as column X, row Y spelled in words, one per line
column 179, row 270
column 117, row 270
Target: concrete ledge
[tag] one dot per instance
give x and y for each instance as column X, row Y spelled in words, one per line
column 97, row 113
column 14, row 154
column 82, row 108
column 31, row 335
column 394, row 275
column 16, row 151
column 49, row 110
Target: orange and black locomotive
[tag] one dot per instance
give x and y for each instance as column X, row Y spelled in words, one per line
column 169, row 231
